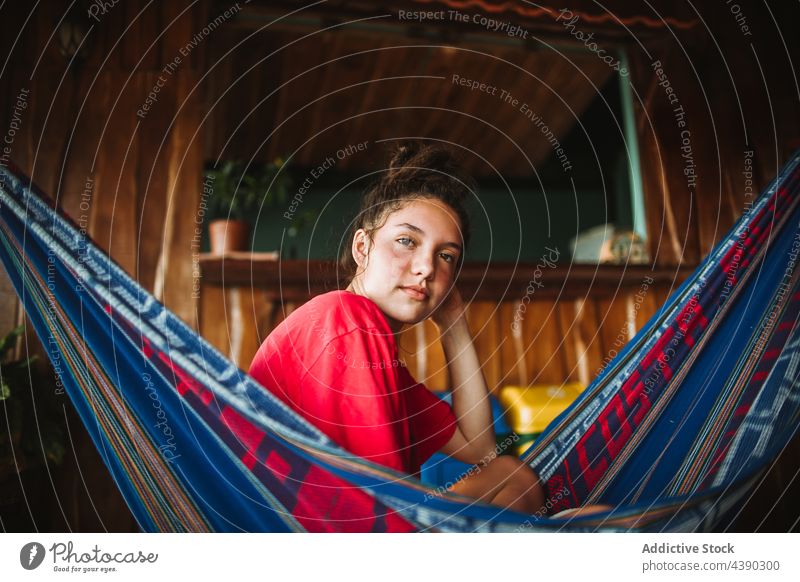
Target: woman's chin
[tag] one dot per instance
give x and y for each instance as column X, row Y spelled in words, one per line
column 410, row 315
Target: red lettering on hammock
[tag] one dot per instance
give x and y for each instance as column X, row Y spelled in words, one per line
column 278, row 465
column 631, row 388
column 644, row 406
column 147, row 349
column 249, row 460
column 592, row 471
column 186, row 382
column 248, row 434
column 617, row 441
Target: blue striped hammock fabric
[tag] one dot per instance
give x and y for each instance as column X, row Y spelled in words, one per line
column 673, row 433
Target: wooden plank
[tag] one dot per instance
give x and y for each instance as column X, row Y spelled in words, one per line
column 415, row 64
column 384, row 93
column 671, row 236
column 290, row 127
column 185, row 168
column 153, row 177
column 614, row 323
column 217, row 125
column 82, row 147
column 319, row 113
column 520, row 84
column 212, row 317
column 346, row 78
column 407, row 346
column 265, row 311
column 437, row 375
column 53, row 106
column 513, row 347
column 572, row 346
column 241, row 110
column 586, row 339
column 664, row 239
column 248, row 343
column 705, row 121
column 374, row 94
column 183, row 19
column 444, row 94
column 139, row 42
column 348, row 74
column 485, row 328
column 646, row 303
column 542, row 342
column 112, row 223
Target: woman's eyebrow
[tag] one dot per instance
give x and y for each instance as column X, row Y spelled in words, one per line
column 418, row 230
column 411, row 227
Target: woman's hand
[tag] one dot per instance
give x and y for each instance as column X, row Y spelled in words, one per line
column 450, row 311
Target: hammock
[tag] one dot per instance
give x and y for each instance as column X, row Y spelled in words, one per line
column 672, row 433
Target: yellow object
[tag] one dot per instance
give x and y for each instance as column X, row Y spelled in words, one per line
column 529, row 409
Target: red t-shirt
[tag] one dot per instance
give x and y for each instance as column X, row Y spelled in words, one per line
column 335, row 362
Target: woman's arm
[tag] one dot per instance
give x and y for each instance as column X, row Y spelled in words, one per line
column 474, row 438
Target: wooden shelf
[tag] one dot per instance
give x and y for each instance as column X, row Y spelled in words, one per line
column 294, row 280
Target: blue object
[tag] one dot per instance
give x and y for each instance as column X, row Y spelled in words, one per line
column 441, row 470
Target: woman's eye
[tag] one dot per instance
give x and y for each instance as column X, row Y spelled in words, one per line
column 405, row 241
column 448, row 257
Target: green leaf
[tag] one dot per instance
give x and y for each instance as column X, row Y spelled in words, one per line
column 5, row 391
column 55, row 450
column 10, row 340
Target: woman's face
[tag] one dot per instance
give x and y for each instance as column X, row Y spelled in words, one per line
column 409, row 266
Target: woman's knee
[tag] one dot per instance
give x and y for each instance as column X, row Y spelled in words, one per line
column 521, row 489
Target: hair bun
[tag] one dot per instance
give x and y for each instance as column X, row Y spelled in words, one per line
column 417, row 160
column 403, row 154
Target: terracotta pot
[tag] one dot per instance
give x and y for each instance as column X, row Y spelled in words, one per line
column 228, row 236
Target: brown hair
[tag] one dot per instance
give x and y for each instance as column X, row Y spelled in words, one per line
column 416, row 171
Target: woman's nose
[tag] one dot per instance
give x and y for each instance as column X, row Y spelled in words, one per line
column 423, row 265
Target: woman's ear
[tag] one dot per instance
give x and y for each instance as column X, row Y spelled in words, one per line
column 360, row 249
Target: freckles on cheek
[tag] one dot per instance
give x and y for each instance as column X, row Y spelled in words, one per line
column 399, row 262
column 398, row 268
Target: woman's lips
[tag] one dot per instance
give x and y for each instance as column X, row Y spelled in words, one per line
column 415, row 293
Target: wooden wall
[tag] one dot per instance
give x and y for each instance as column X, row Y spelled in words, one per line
column 132, row 181
column 736, row 93
column 81, row 126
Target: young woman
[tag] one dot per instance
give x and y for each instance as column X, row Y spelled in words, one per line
column 335, row 359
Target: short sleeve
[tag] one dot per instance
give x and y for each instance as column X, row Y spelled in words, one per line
column 352, row 392
column 431, row 419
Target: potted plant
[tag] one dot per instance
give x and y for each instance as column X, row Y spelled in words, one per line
column 237, row 193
